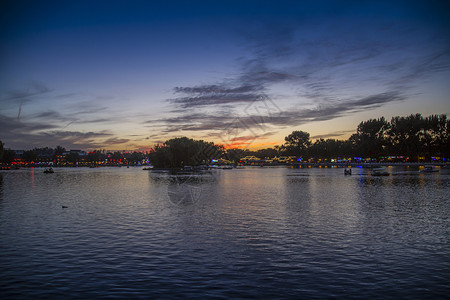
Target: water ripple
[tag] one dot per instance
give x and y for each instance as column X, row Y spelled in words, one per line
column 251, row 233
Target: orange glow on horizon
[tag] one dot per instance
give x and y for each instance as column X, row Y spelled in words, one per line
column 250, row 146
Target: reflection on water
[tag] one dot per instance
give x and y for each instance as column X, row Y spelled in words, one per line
column 183, row 189
column 1, row 186
column 255, row 232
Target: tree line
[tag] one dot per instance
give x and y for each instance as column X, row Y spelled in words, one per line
column 414, row 137
column 61, row 155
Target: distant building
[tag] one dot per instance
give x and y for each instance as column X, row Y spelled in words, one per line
column 19, row 153
column 79, row 152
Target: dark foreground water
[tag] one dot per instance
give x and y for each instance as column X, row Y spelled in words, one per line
column 255, row 232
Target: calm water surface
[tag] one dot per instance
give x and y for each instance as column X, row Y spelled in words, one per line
column 254, row 232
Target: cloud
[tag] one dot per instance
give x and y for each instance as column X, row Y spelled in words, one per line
column 17, row 98
column 375, row 100
column 86, row 107
column 100, row 120
column 12, row 126
column 260, row 123
column 213, row 89
column 419, row 67
column 329, row 71
column 256, row 72
column 242, row 139
column 207, row 95
column 68, row 119
column 72, row 139
column 250, row 137
column 115, row 141
column 33, row 89
column 18, row 134
column 324, row 112
column 51, row 116
column 332, row 134
column 216, row 99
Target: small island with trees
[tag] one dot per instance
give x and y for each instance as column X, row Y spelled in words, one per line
column 410, row 139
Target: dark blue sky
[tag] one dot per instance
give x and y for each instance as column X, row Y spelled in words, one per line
column 128, row 74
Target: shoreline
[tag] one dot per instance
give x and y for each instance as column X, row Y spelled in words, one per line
column 295, row 165
column 371, row 164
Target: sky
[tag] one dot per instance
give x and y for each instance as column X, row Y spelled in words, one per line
column 126, row 75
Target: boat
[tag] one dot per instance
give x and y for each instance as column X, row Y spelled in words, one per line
column 49, row 171
column 379, row 172
column 347, row 171
column 428, row 169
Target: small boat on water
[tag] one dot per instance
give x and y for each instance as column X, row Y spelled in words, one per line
column 49, row 171
column 381, row 171
column 428, row 169
column 348, row 171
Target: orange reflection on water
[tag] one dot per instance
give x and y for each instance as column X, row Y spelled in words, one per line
column 32, row 177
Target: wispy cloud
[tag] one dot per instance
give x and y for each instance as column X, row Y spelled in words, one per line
column 18, row 97
column 207, row 95
column 415, row 68
column 331, row 72
column 23, row 135
column 327, row 111
column 52, row 116
column 115, row 141
column 333, row 134
column 34, row 88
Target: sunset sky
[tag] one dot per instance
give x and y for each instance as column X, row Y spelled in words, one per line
column 124, row 75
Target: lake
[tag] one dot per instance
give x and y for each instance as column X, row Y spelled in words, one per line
column 241, row 233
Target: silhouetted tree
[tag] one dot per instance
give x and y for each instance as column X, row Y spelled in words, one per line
column 370, row 138
column 8, row 156
column 72, row 157
column 406, row 134
column 59, row 150
column 296, row 143
column 1, row 150
column 268, row 152
column 179, row 152
column 330, row 148
column 434, row 136
column 136, row 157
column 445, row 146
column 236, row 154
column 159, row 156
column 116, row 156
column 95, row 156
column 29, row 155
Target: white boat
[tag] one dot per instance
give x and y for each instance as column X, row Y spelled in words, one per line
column 49, row 171
column 428, row 169
column 380, row 172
